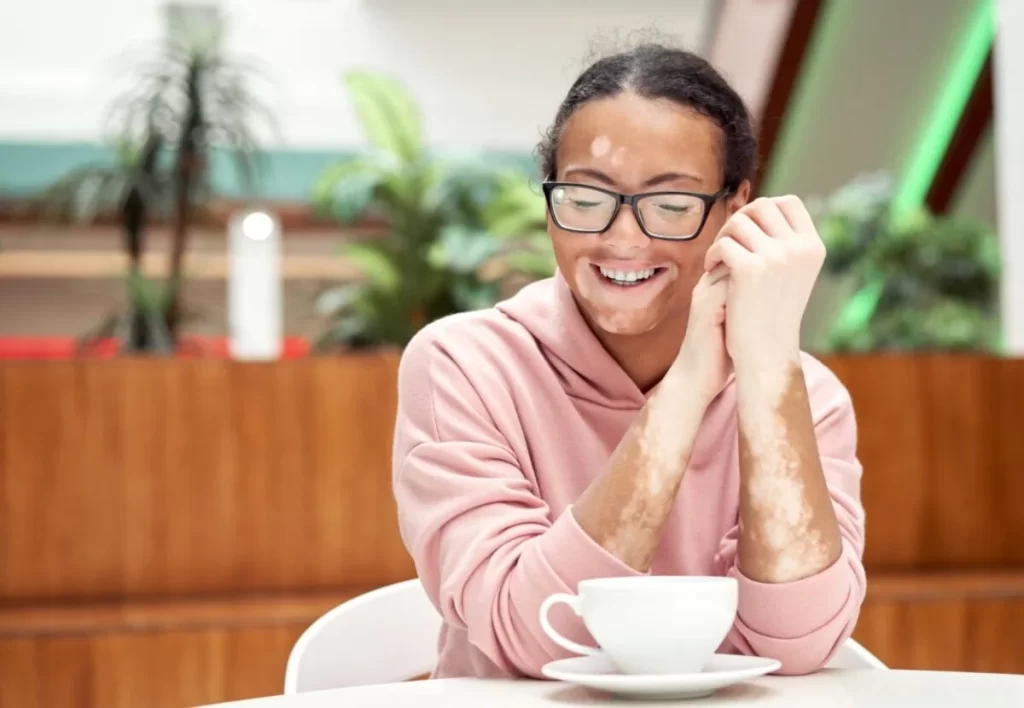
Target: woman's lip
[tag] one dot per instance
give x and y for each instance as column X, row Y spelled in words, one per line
column 651, row 279
column 658, row 270
column 626, row 265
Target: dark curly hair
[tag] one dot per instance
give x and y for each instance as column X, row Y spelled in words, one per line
column 655, row 70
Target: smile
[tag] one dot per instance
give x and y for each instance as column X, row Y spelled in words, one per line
column 627, row 278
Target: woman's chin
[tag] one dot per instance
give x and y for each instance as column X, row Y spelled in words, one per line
column 623, row 323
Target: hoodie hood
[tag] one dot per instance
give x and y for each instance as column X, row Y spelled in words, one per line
column 548, row 311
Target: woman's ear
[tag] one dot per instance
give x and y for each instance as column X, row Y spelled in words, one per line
column 739, row 200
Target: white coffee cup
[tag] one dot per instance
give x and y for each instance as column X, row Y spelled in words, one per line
column 651, row 624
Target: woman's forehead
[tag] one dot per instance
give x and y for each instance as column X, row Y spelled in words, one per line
column 635, row 134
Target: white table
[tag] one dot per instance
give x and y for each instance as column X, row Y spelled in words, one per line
column 833, row 688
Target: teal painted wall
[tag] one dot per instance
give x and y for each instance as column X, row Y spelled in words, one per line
column 28, row 167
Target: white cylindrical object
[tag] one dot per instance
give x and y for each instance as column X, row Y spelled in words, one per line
column 1008, row 68
column 255, row 318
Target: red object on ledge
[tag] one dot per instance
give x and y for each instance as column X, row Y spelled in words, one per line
column 61, row 348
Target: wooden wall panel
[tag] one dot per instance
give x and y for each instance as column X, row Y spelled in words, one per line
column 191, row 479
column 184, row 477
column 946, row 621
column 153, row 654
column 178, row 654
column 159, row 670
column 946, row 634
column 142, row 478
column 1008, row 486
column 942, row 457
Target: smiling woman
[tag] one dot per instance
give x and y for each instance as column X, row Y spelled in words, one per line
column 647, row 409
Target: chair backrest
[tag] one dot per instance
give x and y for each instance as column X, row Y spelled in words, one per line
column 852, row 655
column 390, row 634
column 384, row 636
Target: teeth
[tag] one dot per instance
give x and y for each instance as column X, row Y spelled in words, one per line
column 626, row 276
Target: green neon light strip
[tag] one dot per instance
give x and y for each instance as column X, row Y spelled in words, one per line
column 931, row 149
column 956, row 91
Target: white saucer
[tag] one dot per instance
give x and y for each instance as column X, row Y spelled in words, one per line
column 598, row 672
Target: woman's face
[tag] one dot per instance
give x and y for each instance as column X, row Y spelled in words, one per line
column 632, row 144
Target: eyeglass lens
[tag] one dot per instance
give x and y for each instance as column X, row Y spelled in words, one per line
column 581, row 208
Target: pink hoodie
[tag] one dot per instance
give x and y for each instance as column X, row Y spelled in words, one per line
column 506, row 415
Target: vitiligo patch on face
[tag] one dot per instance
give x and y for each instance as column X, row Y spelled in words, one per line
column 609, row 312
column 619, row 157
column 600, row 147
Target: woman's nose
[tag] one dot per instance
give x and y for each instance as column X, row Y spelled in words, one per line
column 625, row 230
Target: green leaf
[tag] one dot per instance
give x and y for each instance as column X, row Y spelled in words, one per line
column 350, row 329
column 462, row 249
column 475, row 295
column 511, row 225
column 461, row 187
column 346, row 189
column 531, row 263
column 159, row 334
column 374, row 262
column 388, row 114
column 516, row 209
column 333, row 302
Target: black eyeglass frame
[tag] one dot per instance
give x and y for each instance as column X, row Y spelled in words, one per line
column 632, row 200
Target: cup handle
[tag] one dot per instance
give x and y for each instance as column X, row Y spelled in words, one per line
column 573, row 602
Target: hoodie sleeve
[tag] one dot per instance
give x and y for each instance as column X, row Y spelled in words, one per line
column 484, row 543
column 803, row 623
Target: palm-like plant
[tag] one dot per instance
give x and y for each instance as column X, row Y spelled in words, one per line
column 449, row 224
column 187, row 101
column 131, row 187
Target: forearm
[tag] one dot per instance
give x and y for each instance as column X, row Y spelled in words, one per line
column 788, row 526
column 625, row 509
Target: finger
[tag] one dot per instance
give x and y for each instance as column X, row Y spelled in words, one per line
column 746, row 232
column 715, row 296
column 711, row 292
column 727, row 251
column 719, row 272
column 769, row 218
column 795, row 212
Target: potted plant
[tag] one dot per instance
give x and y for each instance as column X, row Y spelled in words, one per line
column 938, row 288
column 848, row 220
column 455, row 231
column 187, row 101
column 907, row 281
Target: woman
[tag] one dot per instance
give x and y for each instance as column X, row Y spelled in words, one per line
column 648, row 409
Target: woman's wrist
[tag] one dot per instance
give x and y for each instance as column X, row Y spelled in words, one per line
column 762, row 387
column 687, row 393
column 766, row 365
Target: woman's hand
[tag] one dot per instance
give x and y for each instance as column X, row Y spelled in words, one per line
column 702, row 355
column 774, row 254
column 788, row 521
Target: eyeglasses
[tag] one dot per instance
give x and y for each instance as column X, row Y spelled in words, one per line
column 671, row 216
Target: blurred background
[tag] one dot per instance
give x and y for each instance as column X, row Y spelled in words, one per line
column 221, row 221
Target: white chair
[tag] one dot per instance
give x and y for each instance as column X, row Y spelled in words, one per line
column 852, row 655
column 384, row 636
column 390, row 635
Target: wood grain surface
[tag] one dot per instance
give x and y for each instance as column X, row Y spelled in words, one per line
column 173, row 654
column 183, row 477
column 945, row 621
column 169, row 527
column 147, row 478
column 943, row 457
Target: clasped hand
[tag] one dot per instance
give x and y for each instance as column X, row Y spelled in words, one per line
column 747, row 308
column 774, row 255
